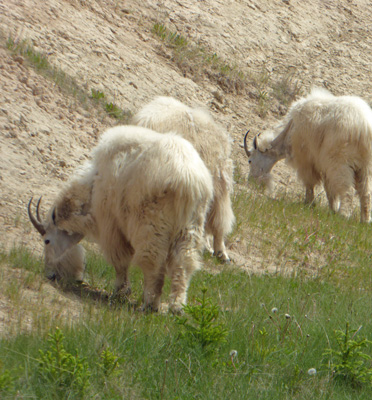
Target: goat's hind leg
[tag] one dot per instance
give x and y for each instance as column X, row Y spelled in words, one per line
column 119, row 253
column 363, row 188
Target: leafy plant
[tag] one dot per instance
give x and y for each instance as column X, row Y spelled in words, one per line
column 97, row 94
column 6, row 381
column 61, row 368
column 200, row 322
column 109, row 363
column 348, row 362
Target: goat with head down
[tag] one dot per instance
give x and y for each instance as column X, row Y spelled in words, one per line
column 326, row 139
column 61, row 260
column 143, row 197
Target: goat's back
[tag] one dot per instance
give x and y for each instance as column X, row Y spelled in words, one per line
column 135, row 165
column 324, row 127
column 165, row 114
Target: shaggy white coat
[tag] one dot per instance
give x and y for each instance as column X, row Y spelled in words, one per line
column 165, row 114
column 143, row 198
column 326, row 139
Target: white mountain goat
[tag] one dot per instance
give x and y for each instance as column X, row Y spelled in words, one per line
column 143, row 198
column 213, row 144
column 69, row 267
column 326, row 139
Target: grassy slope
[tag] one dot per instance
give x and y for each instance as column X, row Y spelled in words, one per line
column 330, row 284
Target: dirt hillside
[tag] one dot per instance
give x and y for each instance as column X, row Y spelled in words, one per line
column 109, row 46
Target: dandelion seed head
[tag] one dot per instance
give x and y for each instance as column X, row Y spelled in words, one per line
column 311, row 371
column 287, row 316
column 274, row 310
column 233, row 353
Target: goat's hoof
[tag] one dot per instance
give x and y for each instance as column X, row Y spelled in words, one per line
column 176, row 308
column 222, row 257
column 148, row 308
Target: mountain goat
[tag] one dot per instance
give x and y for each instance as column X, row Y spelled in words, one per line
column 326, row 139
column 143, row 198
column 213, row 144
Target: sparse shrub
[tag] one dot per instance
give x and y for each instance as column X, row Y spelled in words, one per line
column 62, row 369
column 348, row 362
column 109, row 363
column 200, row 322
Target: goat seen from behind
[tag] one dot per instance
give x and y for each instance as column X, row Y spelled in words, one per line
column 143, row 197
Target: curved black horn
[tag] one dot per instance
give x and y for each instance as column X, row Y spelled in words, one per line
column 38, row 225
column 255, row 144
column 37, row 210
column 245, row 144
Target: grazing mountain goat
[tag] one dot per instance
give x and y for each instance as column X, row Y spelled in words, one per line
column 212, row 142
column 69, row 267
column 326, row 139
column 143, row 198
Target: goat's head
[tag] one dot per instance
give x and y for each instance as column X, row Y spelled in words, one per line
column 260, row 161
column 64, row 258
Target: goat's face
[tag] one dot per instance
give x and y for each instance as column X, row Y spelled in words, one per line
column 260, row 164
column 59, row 245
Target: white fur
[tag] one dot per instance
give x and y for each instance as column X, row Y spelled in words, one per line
column 165, row 114
column 143, row 198
column 326, row 139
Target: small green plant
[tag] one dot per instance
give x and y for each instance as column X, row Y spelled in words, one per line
column 348, row 363
column 113, row 110
column 109, row 363
column 62, row 369
column 6, row 381
column 97, row 94
column 159, row 30
column 200, row 322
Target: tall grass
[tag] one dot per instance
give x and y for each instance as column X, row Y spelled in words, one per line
column 283, row 331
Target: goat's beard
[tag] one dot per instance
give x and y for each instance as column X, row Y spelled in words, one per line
column 265, row 181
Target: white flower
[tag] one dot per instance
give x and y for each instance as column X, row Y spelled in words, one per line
column 274, row 310
column 311, row 371
column 287, row 316
column 233, row 353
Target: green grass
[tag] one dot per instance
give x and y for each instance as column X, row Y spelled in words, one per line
column 278, row 326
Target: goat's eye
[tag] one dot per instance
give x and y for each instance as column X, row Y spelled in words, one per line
column 47, row 241
column 249, row 161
